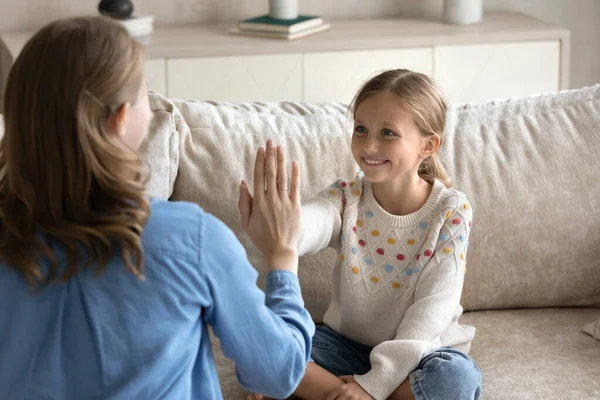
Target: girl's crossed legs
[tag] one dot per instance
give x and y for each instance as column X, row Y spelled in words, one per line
column 445, row 374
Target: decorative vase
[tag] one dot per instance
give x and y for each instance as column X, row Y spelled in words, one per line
column 283, row 9
column 463, row 12
column 118, row 9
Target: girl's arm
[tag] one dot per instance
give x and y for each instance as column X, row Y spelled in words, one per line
column 321, row 220
column 437, row 296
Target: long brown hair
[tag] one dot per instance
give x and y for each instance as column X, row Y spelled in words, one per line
column 62, row 173
column 423, row 99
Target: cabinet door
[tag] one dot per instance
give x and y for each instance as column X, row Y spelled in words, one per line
column 244, row 78
column 337, row 76
column 475, row 73
column 156, row 76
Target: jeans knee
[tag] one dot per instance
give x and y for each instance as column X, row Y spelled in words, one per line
column 468, row 374
column 448, row 375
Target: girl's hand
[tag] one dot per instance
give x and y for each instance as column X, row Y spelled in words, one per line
column 272, row 217
column 350, row 391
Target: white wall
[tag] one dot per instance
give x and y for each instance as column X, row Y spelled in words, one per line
column 582, row 17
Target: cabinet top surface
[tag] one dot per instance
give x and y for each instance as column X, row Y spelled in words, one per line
column 213, row 40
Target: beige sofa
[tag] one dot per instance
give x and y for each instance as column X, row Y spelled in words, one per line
column 531, row 168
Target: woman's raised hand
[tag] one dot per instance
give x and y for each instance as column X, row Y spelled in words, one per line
column 272, row 217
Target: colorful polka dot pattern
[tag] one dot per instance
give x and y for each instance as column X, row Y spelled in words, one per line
column 393, row 259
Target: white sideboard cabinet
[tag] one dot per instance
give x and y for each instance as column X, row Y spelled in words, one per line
column 507, row 55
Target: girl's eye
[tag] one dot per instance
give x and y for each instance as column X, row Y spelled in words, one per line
column 387, row 132
column 360, row 129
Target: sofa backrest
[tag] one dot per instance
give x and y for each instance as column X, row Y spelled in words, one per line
column 217, row 147
column 529, row 166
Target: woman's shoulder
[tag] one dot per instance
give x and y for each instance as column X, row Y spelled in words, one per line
column 173, row 228
column 175, row 214
column 178, row 227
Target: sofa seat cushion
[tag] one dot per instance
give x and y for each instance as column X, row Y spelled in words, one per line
column 523, row 354
column 536, row 354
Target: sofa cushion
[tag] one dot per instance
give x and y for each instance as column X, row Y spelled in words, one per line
column 218, row 148
column 526, row 165
column 522, row 354
column 161, row 147
column 531, row 168
column 536, row 354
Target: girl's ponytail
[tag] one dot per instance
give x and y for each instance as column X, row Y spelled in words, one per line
column 432, row 168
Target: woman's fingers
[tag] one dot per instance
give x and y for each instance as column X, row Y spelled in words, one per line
column 259, row 174
column 270, row 174
column 271, row 168
column 295, row 184
column 282, row 180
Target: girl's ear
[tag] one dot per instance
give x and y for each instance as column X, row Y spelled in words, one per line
column 431, row 144
column 117, row 121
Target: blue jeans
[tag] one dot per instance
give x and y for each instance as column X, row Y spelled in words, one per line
column 445, row 374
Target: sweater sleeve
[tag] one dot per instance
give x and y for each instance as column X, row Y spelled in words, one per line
column 437, row 295
column 268, row 337
column 321, row 219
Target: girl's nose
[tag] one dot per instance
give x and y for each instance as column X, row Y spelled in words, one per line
column 371, row 144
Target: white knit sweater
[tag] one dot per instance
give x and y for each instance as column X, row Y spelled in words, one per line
column 398, row 280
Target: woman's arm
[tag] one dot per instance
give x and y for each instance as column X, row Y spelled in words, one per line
column 268, row 337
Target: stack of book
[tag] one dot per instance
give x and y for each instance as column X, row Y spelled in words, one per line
column 286, row 29
column 139, row 27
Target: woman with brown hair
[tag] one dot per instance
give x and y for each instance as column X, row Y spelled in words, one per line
column 104, row 293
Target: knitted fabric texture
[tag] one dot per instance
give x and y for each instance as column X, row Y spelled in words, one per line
column 398, row 281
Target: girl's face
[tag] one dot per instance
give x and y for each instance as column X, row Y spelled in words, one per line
column 137, row 119
column 386, row 143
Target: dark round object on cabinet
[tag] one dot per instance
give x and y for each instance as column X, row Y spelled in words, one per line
column 119, row 9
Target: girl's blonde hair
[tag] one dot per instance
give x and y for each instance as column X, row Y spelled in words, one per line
column 62, row 173
column 423, row 99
